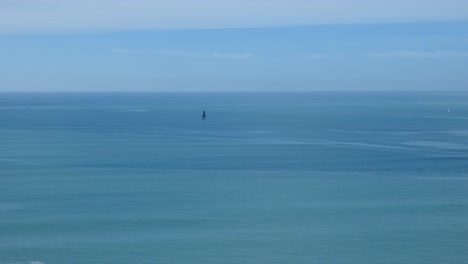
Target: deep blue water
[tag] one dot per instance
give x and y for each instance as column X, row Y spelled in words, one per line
column 268, row 178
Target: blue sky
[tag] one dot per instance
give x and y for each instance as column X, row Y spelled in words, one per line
column 296, row 45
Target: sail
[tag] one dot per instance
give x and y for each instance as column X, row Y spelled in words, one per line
column 204, row 115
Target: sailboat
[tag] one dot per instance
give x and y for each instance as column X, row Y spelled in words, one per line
column 204, row 115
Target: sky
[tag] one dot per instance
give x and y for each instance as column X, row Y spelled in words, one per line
column 220, row 45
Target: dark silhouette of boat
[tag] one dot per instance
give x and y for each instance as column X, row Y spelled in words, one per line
column 204, row 115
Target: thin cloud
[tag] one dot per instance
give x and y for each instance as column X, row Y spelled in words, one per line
column 125, row 51
column 220, row 55
column 36, row 16
column 421, row 54
column 185, row 53
column 237, row 56
column 320, row 55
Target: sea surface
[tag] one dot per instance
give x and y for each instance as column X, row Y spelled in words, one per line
column 267, row 178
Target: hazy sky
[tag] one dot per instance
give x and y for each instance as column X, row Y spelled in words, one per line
column 216, row 45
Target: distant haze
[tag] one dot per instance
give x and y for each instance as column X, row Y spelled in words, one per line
column 65, row 15
column 209, row 45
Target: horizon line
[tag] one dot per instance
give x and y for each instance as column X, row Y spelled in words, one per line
column 232, row 91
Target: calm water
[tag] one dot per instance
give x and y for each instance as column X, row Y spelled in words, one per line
column 267, row 179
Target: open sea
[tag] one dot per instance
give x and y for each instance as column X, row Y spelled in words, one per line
column 267, row 178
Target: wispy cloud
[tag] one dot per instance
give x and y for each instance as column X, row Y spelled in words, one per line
column 421, row 54
column 90, row 15
column 237, row 56
column 320, row 55
column 124, row 51
column 185, row 53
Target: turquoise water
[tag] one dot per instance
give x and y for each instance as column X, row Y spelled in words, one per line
column 267, row 178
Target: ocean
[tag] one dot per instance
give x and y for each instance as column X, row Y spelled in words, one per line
column 267, row 178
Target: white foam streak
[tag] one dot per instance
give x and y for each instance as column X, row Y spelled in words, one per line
column 437, row 145
column 435, row 178
column 28, row 262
